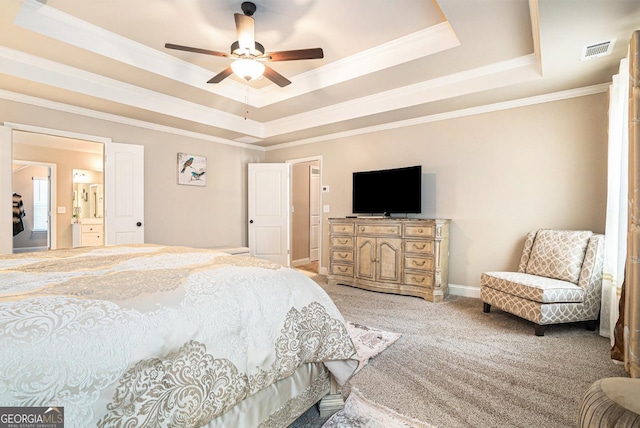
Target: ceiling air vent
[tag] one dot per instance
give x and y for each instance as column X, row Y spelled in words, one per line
column 597, row 50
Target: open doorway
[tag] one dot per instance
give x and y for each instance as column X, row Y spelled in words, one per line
column 306, row 216
column 50, row 212
column 32, row 201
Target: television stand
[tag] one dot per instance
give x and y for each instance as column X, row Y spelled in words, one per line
column 391, row 255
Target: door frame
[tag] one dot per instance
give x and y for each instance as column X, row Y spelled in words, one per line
column 321, row 268
column 52, row 238
column 6, row 175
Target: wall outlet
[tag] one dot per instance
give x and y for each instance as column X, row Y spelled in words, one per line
column 62, row 210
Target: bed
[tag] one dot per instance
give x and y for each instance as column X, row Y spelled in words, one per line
column 164, row 336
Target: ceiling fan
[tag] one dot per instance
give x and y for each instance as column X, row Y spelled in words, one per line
column 248, row 55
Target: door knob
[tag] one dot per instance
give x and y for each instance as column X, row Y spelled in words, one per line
column 138, row 224
column 251, row 221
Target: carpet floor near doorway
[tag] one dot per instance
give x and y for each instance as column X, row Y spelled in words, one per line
column 455, row 366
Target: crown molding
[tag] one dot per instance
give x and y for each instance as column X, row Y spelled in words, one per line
column 479, row 79
column 522, row 102
column 67, row 108
column 26, row 66
column 44, row 71
column 422, row 43
column 52, row 23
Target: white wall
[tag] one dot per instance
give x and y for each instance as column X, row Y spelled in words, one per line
column 495, row 175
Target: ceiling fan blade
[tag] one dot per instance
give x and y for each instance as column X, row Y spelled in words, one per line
column 196, row 50
column 245, row 31
column 315, row 53
column 275, row 77
column 221, row 76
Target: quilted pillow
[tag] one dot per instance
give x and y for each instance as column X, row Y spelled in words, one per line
column 558, row 254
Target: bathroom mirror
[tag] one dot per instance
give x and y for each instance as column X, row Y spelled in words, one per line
column 88, row 195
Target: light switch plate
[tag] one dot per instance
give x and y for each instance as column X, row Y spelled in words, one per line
column 325, row 208
column 62, row 210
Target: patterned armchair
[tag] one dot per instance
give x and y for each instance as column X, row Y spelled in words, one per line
column 558, row 280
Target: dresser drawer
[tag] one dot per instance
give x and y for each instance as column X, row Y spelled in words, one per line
column 345, row 256
column 342, row 241
column 415, row 278
column 338, row 269
column 386, row 229
column 420, row 247
column 91, row 228
column 418, row 263
column 346, row 228
column 423, row 231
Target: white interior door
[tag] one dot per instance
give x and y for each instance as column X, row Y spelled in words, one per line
column 314, row 212
column 124, row 194
column 269, row 211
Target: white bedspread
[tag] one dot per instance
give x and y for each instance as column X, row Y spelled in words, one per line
column 156, row 335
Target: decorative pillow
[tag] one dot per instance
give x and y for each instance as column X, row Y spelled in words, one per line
column 558, row 254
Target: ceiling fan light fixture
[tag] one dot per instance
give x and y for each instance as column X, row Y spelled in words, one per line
column 247, row 69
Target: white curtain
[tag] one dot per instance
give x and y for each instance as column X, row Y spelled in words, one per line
column 615, row 247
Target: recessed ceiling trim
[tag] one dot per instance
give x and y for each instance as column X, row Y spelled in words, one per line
column 52, row 23
column 81, row 111
column 51, row 73
column 479, row 79
column 557, row 96
column 422, row 43
column 25, row 66
column 488, row 108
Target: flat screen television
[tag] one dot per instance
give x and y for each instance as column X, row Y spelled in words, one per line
column 388, row 191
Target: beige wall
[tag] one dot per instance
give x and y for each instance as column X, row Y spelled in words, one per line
column 495, row 175
column 214, row 215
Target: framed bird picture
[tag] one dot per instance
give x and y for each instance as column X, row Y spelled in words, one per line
column 192, row 169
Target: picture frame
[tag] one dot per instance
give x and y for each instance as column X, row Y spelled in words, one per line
column 191, row 169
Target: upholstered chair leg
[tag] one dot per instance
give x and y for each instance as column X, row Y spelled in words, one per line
column 540, row 329
column 591, row 325
column 486, row 307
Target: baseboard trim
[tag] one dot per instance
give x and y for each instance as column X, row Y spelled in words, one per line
column 301, row 262
column 464, row 290
column 29, row 249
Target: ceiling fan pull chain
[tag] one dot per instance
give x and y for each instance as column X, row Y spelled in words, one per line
column 246, row 104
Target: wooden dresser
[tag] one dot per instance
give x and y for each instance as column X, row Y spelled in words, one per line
column 392, row 255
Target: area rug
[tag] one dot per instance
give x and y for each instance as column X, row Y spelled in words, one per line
column 360, row 412
column 369, row 341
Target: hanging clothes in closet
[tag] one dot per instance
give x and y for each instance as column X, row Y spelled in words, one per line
column 18, row 214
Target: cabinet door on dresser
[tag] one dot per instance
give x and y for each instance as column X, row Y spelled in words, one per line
column 365, row 258
column 378, row 259
column 389, row 259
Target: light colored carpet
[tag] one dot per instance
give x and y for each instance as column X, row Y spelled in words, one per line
column 455, row 366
